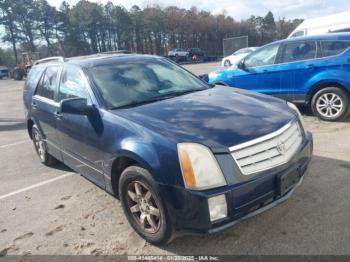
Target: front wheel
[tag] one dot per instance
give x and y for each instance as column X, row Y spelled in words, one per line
column 41, row 148
column 330, row 104
column 143, row 206
column 17, row 75
column 227, row 63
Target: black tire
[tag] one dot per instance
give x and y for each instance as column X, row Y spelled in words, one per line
column 41, row 148
column 227, row 63
column 17, row 75
column 162, row 232
column 330, row 104
column 176, row 59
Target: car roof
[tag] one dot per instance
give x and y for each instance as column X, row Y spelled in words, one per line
column 99, row 59
column 329, row 36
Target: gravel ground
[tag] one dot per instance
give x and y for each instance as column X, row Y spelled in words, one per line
column 56, row 211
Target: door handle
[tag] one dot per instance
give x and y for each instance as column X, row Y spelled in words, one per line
column 58, row 115
column 311, row 66
column 34, row 105
column 266, row 71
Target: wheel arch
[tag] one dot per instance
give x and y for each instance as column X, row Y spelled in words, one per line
column 122, row 161
column 321, row 85
column 30, row 124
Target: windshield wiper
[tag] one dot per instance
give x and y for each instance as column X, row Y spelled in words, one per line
column 180, row 93
column 157, row 98
column 147, row 101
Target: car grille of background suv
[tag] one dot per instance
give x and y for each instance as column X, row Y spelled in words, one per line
column 268, row 151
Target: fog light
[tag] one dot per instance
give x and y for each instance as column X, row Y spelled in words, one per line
column 217, row 207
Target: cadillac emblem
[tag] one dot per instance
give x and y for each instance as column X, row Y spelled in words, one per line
column 281, row 148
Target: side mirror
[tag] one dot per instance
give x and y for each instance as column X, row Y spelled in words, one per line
column 75, row 106
column 204, row 77
column 241, row 65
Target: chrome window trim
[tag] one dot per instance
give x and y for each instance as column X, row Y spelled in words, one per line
column 46, row 100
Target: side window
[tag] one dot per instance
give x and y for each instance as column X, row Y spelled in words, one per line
column 298, row 34
column 72, row 84
column 298, row 51
column 331, row 48
column 33, row 77
column 264, row 57
column 47, row 84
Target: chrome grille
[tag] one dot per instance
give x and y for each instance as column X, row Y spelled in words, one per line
column 268, row 151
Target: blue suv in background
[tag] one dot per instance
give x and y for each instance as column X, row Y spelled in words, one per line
column 311, row 70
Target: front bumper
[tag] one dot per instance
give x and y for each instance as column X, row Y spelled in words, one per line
column 189, row 210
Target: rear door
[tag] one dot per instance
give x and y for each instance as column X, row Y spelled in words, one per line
column 80, row 135
column 299, row 64
column 44, row 108
column 260, row 72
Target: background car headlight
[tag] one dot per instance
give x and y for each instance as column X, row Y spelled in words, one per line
column 293, row 107
column 199, row 167
column 212, row 75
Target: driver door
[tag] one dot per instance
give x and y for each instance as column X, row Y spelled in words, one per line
column 259, row 72
column 80, row 136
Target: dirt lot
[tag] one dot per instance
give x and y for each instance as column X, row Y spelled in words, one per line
column 56, row 211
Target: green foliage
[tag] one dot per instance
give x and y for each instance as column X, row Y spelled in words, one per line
column 6, row 57
column 89, row 27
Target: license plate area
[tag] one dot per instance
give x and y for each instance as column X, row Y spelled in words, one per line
column 286, row 182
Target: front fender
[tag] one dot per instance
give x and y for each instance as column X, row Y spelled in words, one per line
column 159, row 158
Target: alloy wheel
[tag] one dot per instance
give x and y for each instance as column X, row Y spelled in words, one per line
column 39, row 145
column 144, row 207
column 329, row 105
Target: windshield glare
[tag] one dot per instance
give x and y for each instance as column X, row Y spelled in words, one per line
column 132, row 82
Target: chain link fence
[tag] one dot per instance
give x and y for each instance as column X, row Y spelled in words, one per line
column 232, row 44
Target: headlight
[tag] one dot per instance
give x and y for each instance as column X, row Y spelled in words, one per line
column 293, row 107
column 199, row 167
column 212, row 75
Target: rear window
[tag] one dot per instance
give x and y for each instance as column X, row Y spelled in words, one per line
column 332, row 48
column 299, row 51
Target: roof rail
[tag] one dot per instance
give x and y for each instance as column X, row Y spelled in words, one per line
column 49, row 59
column 114, row 52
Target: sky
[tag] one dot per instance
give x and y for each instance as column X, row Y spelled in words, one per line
column 241, row 9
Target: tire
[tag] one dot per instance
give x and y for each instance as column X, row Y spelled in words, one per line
column 41, row 148
column 330, row 104
column 141, row 201
column 17, row 75
column 227, row 63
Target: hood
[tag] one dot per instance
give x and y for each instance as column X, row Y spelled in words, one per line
column 219, row 117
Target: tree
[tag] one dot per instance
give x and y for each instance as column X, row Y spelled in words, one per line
column 89, row 27
column 8, row 10
column 47, row 21
column 268, row 27
column 26, row 17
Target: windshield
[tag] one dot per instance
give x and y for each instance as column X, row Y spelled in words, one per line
column 132, row 82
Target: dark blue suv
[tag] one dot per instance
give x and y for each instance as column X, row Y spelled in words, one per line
column 307, row 70
column 181, row 156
